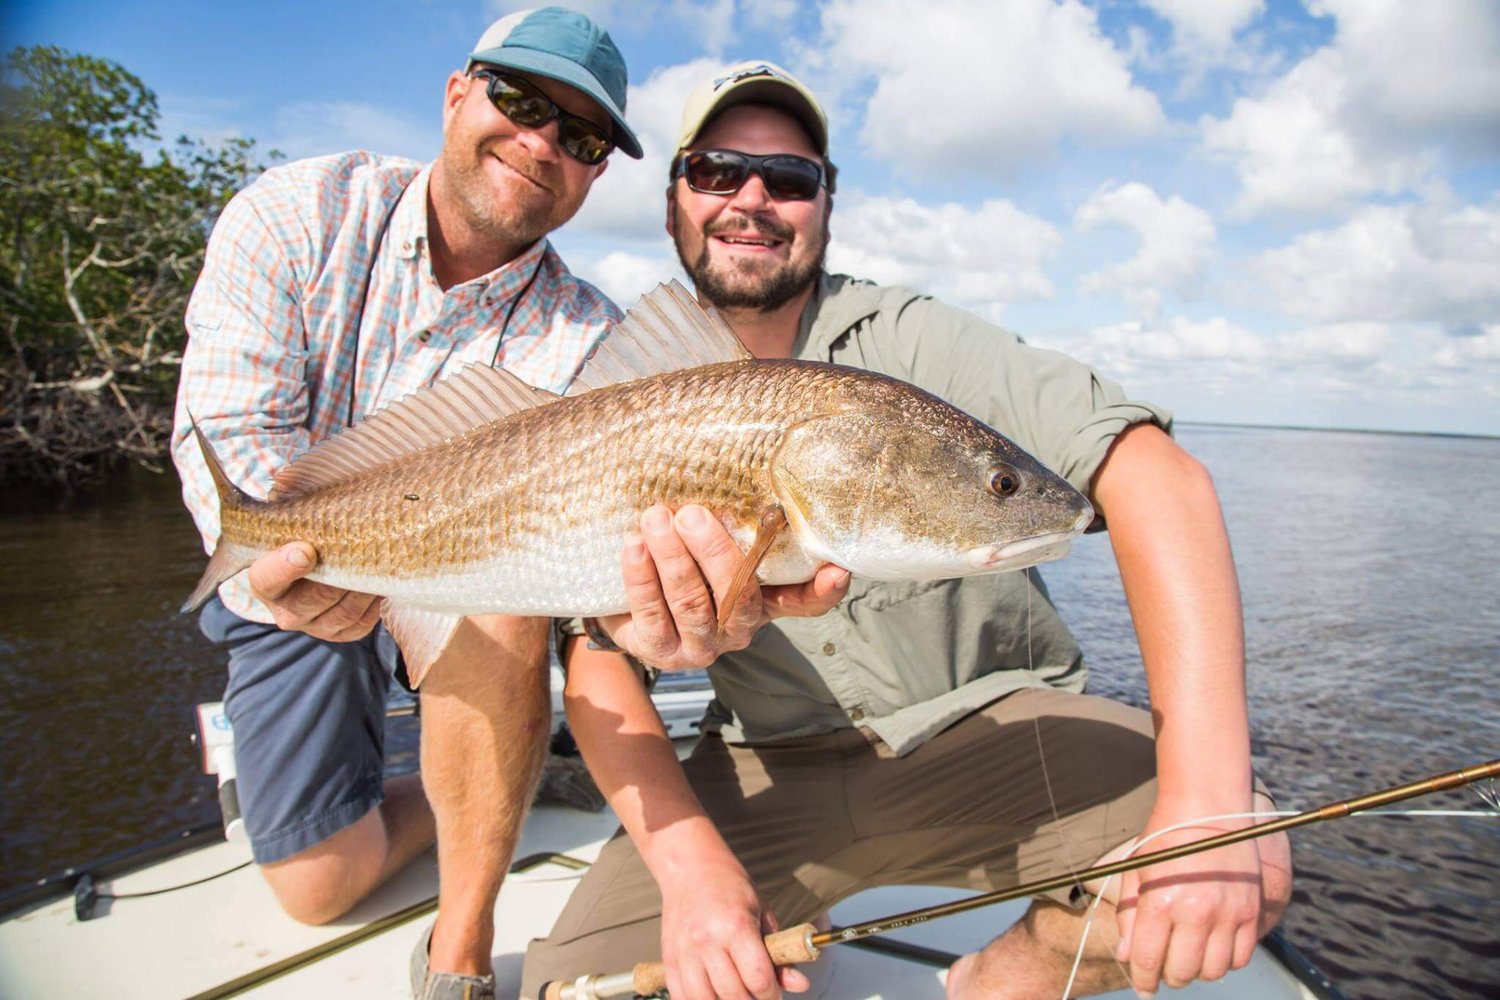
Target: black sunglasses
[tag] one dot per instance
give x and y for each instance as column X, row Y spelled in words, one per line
column 528, row 107
column 724, row 171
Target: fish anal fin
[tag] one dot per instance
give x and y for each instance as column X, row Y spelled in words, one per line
column 422, row 636
column 772, row 521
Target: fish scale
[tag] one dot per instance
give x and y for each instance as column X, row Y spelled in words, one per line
column 481, row 495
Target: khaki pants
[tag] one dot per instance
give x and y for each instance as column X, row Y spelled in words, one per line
column 817, row 819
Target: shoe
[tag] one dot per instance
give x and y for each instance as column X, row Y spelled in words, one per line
column 427, row 985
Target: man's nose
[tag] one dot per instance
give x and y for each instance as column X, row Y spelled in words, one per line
column 752, row 195
column 542, row 143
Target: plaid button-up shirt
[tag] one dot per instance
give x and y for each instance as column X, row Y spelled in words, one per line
column 281, row 355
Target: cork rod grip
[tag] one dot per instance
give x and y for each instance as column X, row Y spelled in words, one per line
column 787, row 947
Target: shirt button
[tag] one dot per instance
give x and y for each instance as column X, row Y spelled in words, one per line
column 829, row 649
column 856, row 714
column 425, row 336
column 406, row 247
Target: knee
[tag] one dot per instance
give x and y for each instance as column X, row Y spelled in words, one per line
column 308, row 897
column 325, row 881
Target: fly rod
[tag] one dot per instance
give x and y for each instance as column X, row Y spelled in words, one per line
column 803, row 943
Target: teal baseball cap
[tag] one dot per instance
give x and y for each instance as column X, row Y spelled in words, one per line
column 565, row 46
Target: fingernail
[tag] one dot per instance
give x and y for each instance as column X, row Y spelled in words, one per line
column 692, row 518
column 657, row 521
column 842, row 580
column 635, row 546
column 297, row 556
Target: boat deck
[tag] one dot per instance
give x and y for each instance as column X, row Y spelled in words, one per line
column 226, row 937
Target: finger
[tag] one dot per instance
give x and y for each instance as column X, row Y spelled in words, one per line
column 682, row 583
column 822, row 593
column 274, row 573
column 1244, row 946
column 1148, row 951
column 1125, row 913
column 754, row 968
column 348, row 620
column 719, row 560
column 1184, row 955
column 647, row 630
column 724, row 977
column 1218, row 954
column 793, row 980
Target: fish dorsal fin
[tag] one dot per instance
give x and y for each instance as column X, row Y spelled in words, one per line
column 475, row 396
column 667, row 331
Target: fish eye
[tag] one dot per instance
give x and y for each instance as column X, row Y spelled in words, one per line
column 1004, row 481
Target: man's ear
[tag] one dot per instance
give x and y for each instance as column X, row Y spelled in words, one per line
column 453, row 95
column 603, row 166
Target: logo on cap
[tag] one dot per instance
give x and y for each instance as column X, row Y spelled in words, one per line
column 759, row 69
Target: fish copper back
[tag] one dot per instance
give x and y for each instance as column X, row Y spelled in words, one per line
column 483, row 496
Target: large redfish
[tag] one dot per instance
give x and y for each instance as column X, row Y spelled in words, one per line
column 482, row 495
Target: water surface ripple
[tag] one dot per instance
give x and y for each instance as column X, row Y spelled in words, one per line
column 1368, row 566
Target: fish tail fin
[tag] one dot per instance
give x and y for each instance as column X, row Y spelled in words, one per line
column 230, row 495
column 228, row 558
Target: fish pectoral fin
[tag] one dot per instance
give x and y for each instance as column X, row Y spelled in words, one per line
column 422, row 636
column 772, row 520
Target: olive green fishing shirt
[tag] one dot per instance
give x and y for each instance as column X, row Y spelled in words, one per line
column 909, row 659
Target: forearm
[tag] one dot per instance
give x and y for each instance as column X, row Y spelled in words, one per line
column 1173, row 552
column 633, row 761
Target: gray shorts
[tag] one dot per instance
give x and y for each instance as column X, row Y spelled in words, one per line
column 817, row 819
column 309, row 728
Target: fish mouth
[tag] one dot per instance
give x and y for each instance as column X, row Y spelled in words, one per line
column 1019, row 555
column 1029, row 551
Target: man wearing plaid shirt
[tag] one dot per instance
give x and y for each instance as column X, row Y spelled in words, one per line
column 333, row 286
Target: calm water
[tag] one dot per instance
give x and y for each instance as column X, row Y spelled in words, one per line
column 1369, row 570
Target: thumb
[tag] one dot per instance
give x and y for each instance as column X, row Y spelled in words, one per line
column 273, row 574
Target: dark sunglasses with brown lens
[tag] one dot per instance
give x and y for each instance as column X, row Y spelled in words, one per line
column 724, row 171
column 525, row 104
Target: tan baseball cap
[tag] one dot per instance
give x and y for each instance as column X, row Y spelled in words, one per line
column 758, row 82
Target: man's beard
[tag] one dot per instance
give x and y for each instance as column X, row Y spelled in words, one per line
column 758, row 288
column 522, row 217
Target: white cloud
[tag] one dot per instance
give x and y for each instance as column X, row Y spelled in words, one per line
column 629, row 201
column 709, row 22
column 979, row 258
column 980, row 85
column 312, row 128
column 1401, row 85
column 768, row 15
column 1433, row 262
column 1206, row 26
column 625, row 277
column 1481, row 347
column 1176, row 237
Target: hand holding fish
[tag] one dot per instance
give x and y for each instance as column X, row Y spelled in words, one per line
column 678, row 569
column 323, row 612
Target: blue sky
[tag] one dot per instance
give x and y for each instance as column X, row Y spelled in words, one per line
column 1253, row 211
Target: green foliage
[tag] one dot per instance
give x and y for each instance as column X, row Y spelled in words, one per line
column 103, row 236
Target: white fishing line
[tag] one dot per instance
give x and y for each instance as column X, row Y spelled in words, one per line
column 1264, row 814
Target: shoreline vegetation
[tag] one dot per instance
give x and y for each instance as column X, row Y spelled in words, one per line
column 106, row 227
